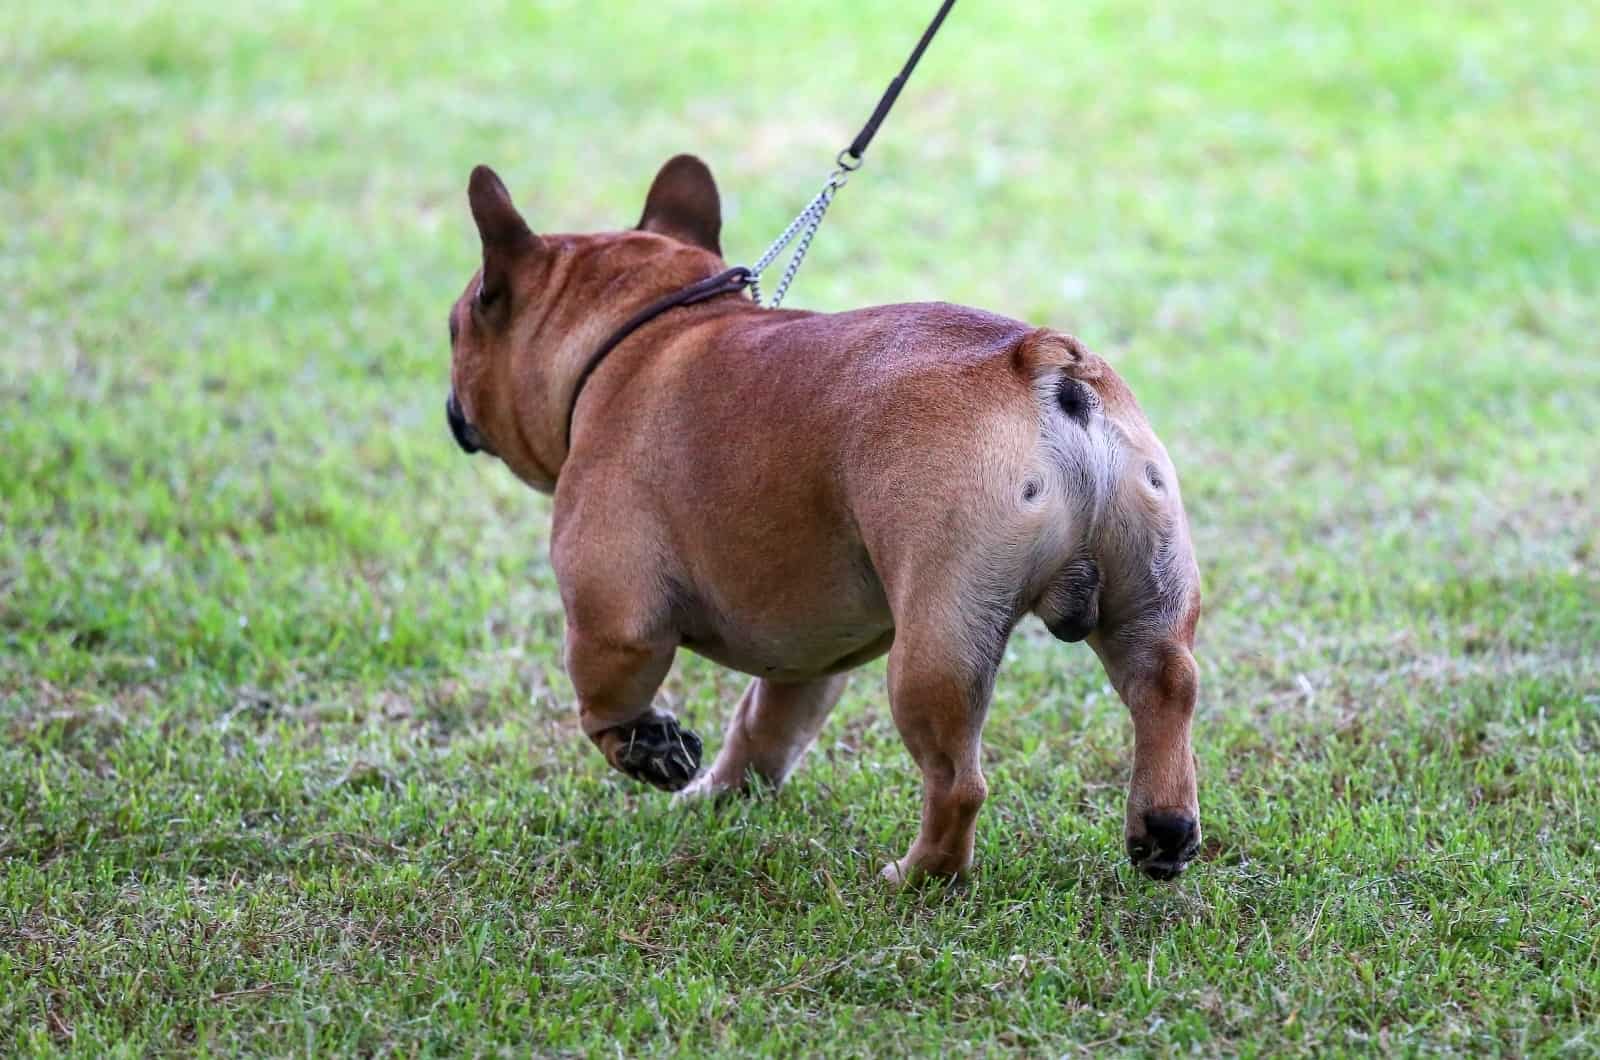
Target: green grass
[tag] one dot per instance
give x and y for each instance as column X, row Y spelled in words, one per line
column 287, row 762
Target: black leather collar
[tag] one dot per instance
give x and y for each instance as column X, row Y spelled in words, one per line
column 735, row 279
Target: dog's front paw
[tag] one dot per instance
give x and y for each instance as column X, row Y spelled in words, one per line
column 706, row 786
column 896, row 874
column 904, row 874
column 654, row 749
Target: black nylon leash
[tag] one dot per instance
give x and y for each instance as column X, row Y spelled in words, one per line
column 858, row 146
column 739, row 277
column 848, row 161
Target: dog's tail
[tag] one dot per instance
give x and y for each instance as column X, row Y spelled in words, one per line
column 1063, row 374
column 1066, row 377
column 1044, row 351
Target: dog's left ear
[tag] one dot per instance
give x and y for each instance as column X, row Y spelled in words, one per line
column 506, row 236
column 683, row 203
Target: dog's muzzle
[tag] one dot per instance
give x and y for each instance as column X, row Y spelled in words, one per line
column 466, row 435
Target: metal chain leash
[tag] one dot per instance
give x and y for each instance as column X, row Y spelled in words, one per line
column 805, row 226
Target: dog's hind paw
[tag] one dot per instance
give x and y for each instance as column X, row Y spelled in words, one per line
column 654, row 749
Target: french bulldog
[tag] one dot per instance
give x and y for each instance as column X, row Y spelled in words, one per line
column 792, row 494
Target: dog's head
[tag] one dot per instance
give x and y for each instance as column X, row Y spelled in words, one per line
column 537, row 305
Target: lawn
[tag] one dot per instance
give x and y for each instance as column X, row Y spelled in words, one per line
column 287, row 760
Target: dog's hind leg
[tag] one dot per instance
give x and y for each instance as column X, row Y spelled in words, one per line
column 772, row 727
column 939, row 686
column 1159, row 681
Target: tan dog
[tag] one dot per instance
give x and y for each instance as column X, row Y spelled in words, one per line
column 792, row 494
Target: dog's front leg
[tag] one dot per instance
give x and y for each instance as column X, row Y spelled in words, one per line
column 1159, row 683
column 938, row 696
column 616, row 678
column 772, row 727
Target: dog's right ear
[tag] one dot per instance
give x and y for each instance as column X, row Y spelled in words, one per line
column 506, row 236
column 683, row 203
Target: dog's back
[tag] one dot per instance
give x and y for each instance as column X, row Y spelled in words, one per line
column 873, row 451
